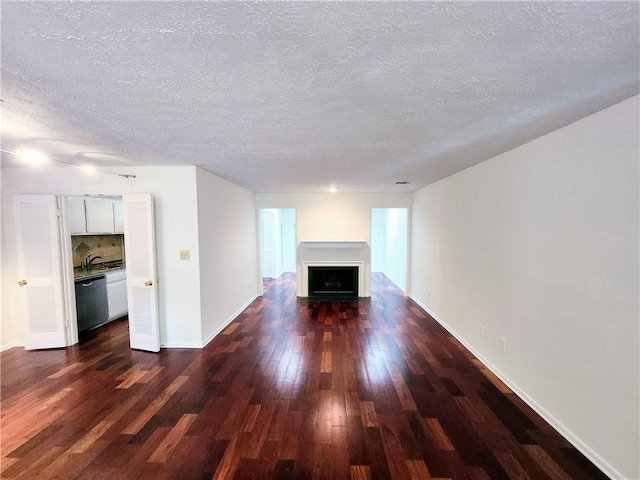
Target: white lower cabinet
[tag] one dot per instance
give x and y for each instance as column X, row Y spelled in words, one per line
column 117, row 293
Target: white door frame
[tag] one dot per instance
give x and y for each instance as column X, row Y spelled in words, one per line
column 68, row 281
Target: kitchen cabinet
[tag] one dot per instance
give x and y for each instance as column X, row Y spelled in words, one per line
column 99, row 215
column 118, row 217
column 76, row 217
column 117, row 293
column 94, row 216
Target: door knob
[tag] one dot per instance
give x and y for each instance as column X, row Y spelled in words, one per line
column 22, row 283
column 148, row 283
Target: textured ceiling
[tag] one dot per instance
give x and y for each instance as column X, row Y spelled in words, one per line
column 295, row 96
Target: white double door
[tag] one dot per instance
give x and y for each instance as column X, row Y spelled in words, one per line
column 44, row 289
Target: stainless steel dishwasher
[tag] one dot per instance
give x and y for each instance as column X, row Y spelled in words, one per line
column 91, row 302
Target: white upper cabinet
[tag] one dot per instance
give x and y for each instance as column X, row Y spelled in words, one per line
column 76, row 217
column 99, row 215
column 118, row 219
column 89, row 215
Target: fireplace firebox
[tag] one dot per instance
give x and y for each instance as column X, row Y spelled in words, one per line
column 333, row 281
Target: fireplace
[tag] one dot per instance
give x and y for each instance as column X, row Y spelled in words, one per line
column 341, row 257
column 333, row 281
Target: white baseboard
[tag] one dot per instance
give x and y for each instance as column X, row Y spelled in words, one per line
column 228, row 321
column 588, row 452
column 8, row 346
column 180, row 345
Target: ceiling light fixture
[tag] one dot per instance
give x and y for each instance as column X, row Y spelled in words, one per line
column 332, row 189
column 35, row 158
column 31, row 157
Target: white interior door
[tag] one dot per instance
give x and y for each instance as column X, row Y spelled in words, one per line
column 40, row 270
column 140, row 256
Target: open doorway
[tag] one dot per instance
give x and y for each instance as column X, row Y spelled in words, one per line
column 390, row 244
column 277, row 243
column 96, row 230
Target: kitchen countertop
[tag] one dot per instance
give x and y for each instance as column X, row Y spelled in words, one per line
column 81, row 273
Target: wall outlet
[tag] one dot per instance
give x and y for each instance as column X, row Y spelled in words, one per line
column 503, row 344
column 428, row 292
column 482, row 330
column 185, row 255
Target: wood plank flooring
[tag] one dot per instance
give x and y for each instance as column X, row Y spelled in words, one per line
column 292, row 389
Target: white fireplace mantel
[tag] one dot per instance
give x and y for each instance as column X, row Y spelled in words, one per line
column 340, row 253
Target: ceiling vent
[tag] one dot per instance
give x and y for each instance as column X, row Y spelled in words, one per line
column 404, row 182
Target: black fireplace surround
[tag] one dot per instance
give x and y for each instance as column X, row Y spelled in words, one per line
column 333, row 282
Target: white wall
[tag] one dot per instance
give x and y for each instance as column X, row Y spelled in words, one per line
column 333, row 216
column 378, row 239
column 540, row 246
column 288, row 239
column 228, row 251
column 173, row 189
column 7, row 339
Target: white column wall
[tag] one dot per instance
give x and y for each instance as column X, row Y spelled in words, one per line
column 378, row 240
column 228, row 243
column 288, row 222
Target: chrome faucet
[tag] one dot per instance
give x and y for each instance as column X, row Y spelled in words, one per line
column 89, row 260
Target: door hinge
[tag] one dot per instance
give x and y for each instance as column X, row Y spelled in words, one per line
column 58, row 212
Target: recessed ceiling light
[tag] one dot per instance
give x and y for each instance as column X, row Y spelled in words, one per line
column 31, row 157
column 332, row 189
column 88, row 169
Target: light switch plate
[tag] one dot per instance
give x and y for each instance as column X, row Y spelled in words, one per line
column 185, row 255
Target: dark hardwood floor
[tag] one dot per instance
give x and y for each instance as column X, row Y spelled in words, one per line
column 371, row 389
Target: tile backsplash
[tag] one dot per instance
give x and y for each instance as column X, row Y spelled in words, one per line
column 109, row 247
